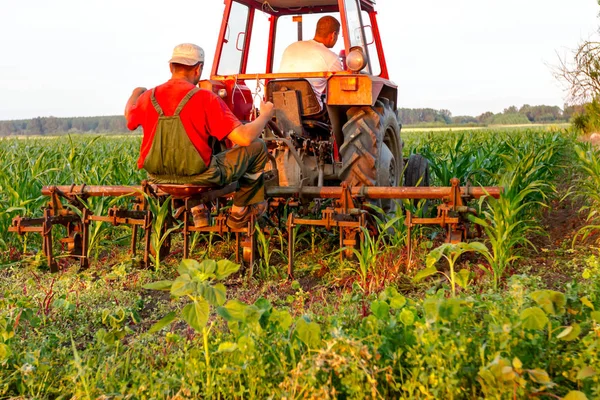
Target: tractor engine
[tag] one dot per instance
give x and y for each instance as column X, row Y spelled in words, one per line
column 300, row 143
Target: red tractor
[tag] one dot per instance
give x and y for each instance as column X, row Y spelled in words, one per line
column 352, row 134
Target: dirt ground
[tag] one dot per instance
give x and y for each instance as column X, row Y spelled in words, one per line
column 560, row 248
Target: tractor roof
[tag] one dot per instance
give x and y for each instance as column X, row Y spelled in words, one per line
column 281, row 7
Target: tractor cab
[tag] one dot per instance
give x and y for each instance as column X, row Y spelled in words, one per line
column 254, row 34
column 315, row 139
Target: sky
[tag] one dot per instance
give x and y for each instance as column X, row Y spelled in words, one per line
column 69, row 58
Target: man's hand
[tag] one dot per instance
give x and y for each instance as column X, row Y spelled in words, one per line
column 244, row 135
column 267, row 109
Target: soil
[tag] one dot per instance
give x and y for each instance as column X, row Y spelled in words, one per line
column 558, row 257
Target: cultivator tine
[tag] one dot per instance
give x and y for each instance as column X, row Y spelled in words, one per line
column 291, row 245
column 85, row 239
column 147, row 229
column 47, row 240
column 186, row 231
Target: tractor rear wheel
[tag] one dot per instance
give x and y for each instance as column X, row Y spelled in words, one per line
column 372, row 149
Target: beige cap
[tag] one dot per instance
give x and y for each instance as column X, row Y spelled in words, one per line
column 187, row 54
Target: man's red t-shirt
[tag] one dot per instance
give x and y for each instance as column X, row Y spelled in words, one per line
column 204, row 115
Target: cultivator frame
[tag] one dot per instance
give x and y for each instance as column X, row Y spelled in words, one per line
column 348, row 215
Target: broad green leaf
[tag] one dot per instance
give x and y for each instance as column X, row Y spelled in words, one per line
column 233, row 310
column 227, row 347
column 450, row 309
column 586, row 372
column 208, row 267
column 575, row 395
column 4, row 352
column 309, row 333
column 183, row 286
column 587, row 302
column 424, row 273
column 570, row 333
column 595, row 316
column 552, row 302
column 434, row 256
column 407, row 317
column 226, row 268
column 282, row 318
column 252, row 314
column 431, row 307
column 397, row 302
column 188, row 266
column 263, row 304
column 539, row 376
column 478, row 246
column 380, row 309
column 462, row 278
column 166, row 320
column 215, row 295
column 196, row 314
column 159, row 285
column 388, row 293
column 534, row 318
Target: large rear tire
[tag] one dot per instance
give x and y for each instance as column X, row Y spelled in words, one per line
column 372, row 149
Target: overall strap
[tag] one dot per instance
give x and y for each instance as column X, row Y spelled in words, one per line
column 156, row 105
column 185, row 100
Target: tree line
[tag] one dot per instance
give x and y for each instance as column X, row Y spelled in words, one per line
column 408, row 116
column 511, row 115
column 54, row 125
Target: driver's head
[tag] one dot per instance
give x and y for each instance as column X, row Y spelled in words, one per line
column 187, row 62
column 328, row 29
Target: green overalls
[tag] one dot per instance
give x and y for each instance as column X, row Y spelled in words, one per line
column 174, row 159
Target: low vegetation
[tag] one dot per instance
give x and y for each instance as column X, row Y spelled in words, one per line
column 515, row 314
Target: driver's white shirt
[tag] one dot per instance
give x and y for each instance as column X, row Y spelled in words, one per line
column 310, row 56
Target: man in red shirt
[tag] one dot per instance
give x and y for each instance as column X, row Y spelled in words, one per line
column 179, row 120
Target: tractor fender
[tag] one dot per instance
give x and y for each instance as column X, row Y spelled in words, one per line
column 359, row 90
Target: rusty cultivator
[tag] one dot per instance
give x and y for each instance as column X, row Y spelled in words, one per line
column 347, row 215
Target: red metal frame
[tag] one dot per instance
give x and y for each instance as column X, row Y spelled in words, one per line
column 253, row 5
column 382, row 64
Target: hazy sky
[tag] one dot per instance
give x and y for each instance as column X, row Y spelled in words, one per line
column 83, row 57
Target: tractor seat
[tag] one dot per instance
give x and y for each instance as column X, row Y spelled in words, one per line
column 183, row 190
column 310, row 107
column 188, row 190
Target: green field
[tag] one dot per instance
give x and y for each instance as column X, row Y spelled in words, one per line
column 514, row 315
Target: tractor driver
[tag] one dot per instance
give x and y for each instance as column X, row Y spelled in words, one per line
column 178, row 119
column 314, row 55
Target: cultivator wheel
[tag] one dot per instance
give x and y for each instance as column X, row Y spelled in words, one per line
column 417, row 171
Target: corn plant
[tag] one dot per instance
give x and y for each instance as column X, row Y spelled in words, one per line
column 451, row 252
column 587, row 188
column 266, row 270
column 510, row 219
column 161, row 219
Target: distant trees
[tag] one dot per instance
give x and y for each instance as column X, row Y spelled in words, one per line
column 408, row 116
column 54, row 125
column 510, row 116
column 413, row 116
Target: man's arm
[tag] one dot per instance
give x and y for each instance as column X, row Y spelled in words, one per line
column 137, row 92
column 243, row 135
